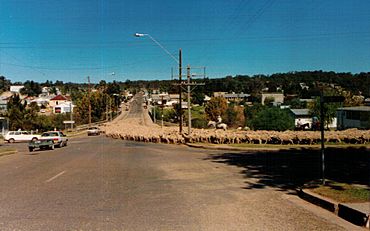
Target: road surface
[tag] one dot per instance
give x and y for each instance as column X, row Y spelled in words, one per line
column 97, row 183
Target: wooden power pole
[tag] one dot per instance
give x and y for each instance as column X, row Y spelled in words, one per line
column 180, row 90
column 89, row 93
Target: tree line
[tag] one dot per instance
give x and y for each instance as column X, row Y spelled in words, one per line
column 357, row 84
column 236, row 114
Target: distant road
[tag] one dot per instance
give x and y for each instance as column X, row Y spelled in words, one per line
column 136, row 106
column 97, row 183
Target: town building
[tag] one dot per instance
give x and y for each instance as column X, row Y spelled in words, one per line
column 16, row 89
column 232, row 97
column 303, row 116
column 353, row 117
column 276, row 98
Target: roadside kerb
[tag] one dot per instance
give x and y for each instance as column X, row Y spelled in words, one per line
column 8, row 153
column 228, row 148
column 345, row 211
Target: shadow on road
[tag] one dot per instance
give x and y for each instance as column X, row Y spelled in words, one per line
column 287, row 169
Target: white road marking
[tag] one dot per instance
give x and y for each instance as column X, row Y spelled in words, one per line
column 54, row 177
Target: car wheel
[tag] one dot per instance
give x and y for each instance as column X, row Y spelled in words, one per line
column 30, row 149
column 11, row 140
column 34, row 139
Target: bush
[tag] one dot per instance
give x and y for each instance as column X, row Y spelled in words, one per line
column 199, row 123
column 273, row 119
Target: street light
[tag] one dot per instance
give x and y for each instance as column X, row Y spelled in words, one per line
column 160, row 45
column 178, row 61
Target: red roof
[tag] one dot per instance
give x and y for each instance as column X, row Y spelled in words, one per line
column 59, row 97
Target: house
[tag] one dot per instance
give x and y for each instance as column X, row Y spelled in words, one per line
column 62, row 108
column 46, row 91
column 59, row 99
column 219, row 94
column 16, row 89
column 42, row 100
column 276, row 98
column 158, row 98
column 231, row 96
column 3, row 105
column 60, row 104
column 303, row 116
column 353, row 117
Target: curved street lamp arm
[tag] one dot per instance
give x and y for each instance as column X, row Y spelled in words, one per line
column 160, row 45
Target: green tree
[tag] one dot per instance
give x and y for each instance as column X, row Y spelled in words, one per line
column 4, row 84
column 16, row 112
column 230, row 117
column 53, row 90
column 197, row 98
column 296, row 104
column 273, row 119
column 329, row 109
column 31, row 88
column 216, row 107
column 250, row 112
column 269, row 100
column 112, row 88
column 30, row 121
column 99, row 102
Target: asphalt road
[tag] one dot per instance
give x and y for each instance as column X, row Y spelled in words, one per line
column 136, row 107
column 97, row 183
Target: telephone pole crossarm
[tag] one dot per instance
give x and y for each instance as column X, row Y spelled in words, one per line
column 188, row 85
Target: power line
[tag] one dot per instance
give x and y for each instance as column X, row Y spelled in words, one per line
column 58, row 69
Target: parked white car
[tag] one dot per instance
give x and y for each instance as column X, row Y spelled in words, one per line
column 20, row 136
column 93, row 131
column 58, row 138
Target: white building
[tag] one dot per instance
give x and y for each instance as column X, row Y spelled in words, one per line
column 62, row 108
column 303, row 116
column 277, row 98
column 16, row 89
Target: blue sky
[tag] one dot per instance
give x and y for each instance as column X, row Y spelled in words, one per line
column 69, row 40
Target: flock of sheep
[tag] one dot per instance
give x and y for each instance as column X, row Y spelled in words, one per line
column 143, row 130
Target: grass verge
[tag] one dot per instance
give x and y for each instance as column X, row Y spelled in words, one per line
column 342, row 192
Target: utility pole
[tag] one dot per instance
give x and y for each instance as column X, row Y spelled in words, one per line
column 189, row 108
column 71, row 114
column 324, row 100
column 106, row 109
column 162, row 110
column 180, row 90
column 189, row 85
column 88, row 80
column 322, row 126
